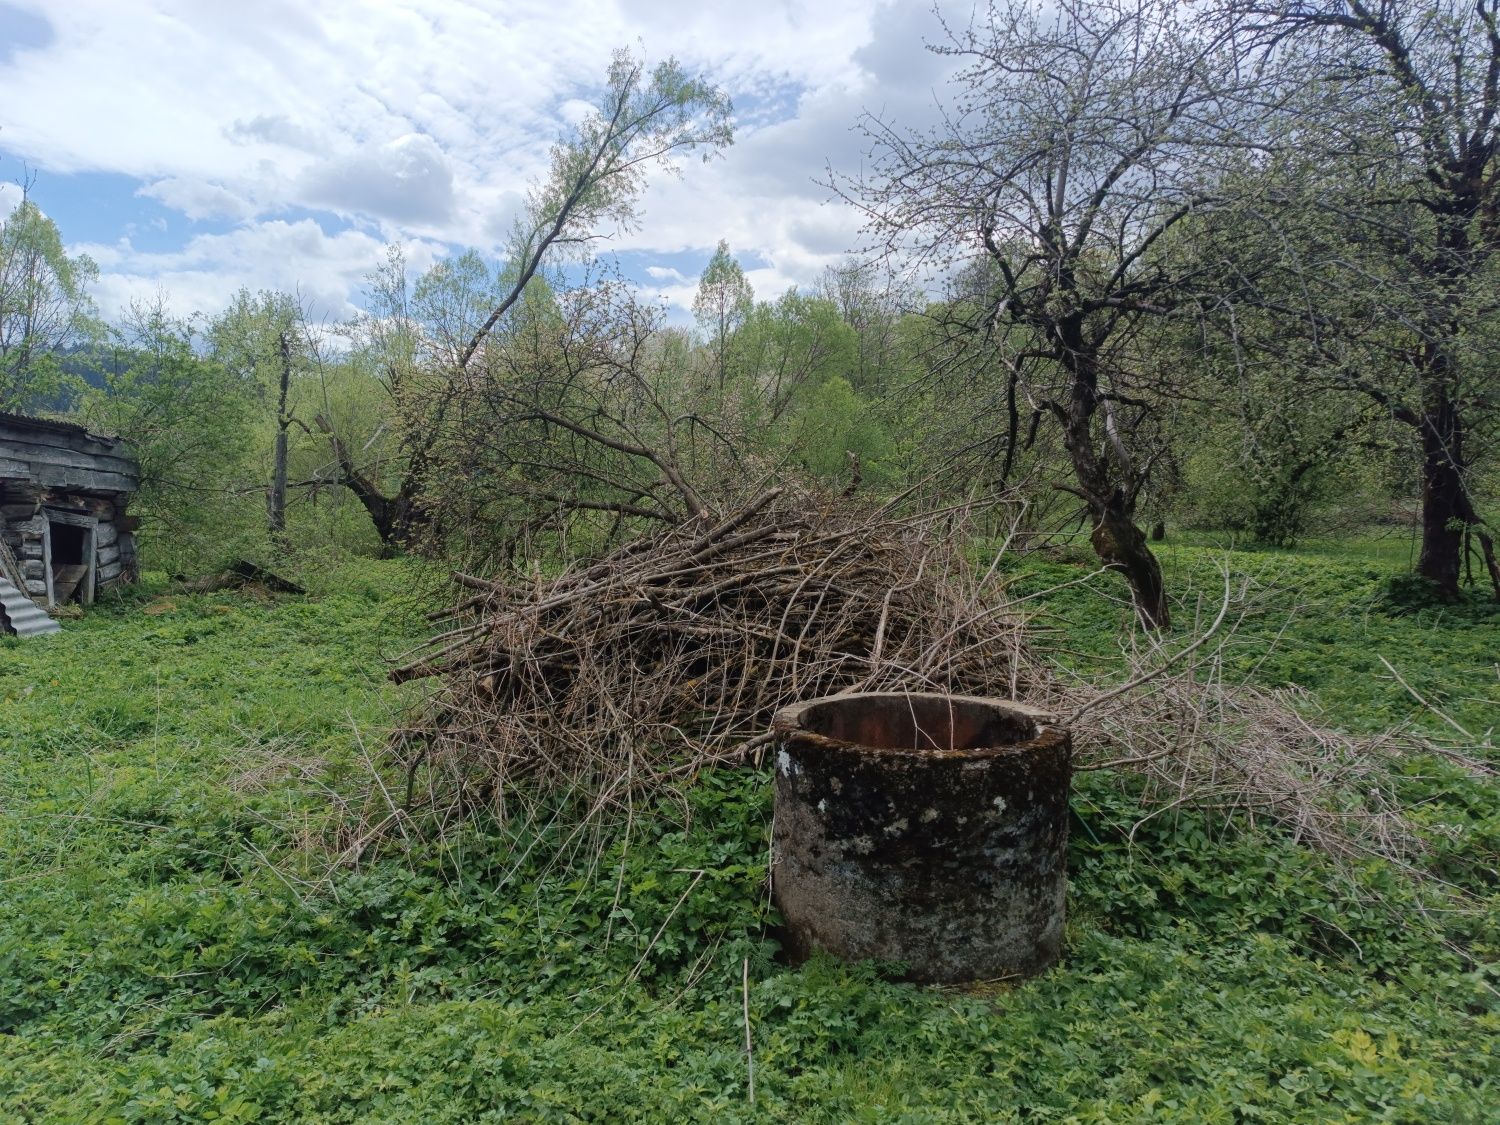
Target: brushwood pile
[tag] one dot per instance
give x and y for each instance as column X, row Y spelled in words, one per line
column 672, row 652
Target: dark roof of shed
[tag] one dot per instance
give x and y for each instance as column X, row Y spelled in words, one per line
column 56, row 427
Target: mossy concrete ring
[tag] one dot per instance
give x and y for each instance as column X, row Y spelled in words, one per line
column 926, row 829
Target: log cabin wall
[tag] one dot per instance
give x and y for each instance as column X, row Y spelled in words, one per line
column 63, row 508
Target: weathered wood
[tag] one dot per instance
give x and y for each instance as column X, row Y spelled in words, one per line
column 60, row 473
column 56, row 457
column 243, row 573
column 65, row 580
column 39, row 450
column 44, row 453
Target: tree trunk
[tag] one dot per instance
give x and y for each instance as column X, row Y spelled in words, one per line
column 1120, row 545
column 1446, row 510
column 276, row 500
column 398, row 519
column 1109, row 489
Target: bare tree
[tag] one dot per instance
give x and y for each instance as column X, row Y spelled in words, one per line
column 646, row 118
column 1080, row 135
column 1395, row 205
column 263, row 339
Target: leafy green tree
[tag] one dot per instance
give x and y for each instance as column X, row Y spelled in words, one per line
column 792, row 343
column 874, row 311
column 644, row 120
column 263, row 339
column 1387, row 204
column 723, row 303
column 189, row 421
column 44, row 307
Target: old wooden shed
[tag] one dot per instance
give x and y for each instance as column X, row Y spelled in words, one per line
column 65, row 535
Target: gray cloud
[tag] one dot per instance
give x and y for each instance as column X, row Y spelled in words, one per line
column 897, row 53
column 407, row 180
column 276, row 130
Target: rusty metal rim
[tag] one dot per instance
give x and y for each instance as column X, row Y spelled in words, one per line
column 787, row 724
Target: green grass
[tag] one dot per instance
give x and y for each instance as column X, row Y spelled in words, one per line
column 1319, row 618
column 168, row 953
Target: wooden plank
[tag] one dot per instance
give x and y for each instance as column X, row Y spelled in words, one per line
column 47, row 453
column 20, row 438
column 44, row 459
column 64, row 437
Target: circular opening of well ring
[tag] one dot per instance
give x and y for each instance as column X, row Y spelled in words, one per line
column 924, row 829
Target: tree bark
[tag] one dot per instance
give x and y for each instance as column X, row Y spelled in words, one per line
column 1443, row 501
column 1110, row 495
column 276, row 500
column 398, row 519
column 1120, row 545
column 1448, row 511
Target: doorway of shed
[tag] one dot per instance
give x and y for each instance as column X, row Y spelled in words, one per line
column 70, row 561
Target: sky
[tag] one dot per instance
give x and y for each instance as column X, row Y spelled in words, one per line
column 192, row 147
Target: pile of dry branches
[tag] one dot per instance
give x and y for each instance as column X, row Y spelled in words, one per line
column 671, row 653
column 631, row 673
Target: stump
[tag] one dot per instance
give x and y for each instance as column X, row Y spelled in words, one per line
column 926, row 829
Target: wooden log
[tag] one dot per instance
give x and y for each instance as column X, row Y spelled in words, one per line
column 108, row 554
column 26, row 441
column 105, row 534
column 110, row 572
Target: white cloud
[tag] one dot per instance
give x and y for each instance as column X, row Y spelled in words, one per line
column 198, row 199
column 296, row 257
column 429, row 119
